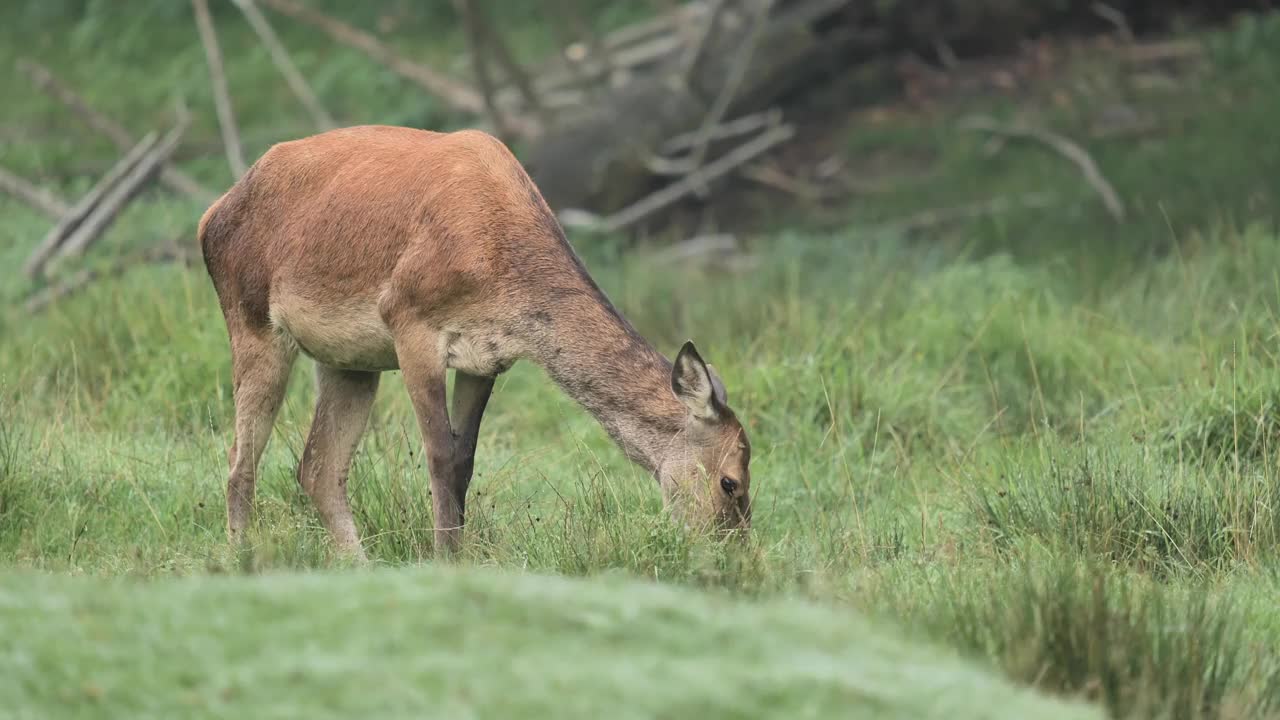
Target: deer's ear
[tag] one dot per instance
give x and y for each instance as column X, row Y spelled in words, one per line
column 691, row 381
column 717, row 386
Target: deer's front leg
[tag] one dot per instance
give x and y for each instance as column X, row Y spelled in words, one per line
column 419, row 353
column 470, row 396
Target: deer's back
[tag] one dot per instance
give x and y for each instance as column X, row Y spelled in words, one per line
column 324, row 236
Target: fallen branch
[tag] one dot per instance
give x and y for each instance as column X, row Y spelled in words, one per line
column 37, row 197
column 1067, row 149
column 1116, row 18
column 46, row 81
column 681, row 16
column 744, row 125
column 75, row 216
column 453, row 93
column 473, row 23
column 630, row 60
column 664, row 9
column 573, row 18
column 659, row 165
column 218, row 81
column 46, row 296
column 292, row 77
column 589, row 157
column 489, row 34
column 946, row 54
column 105, row 213
column 728, row 91
column 577, row 78
column 587, row 76
column 695, row 50
column 700, row 178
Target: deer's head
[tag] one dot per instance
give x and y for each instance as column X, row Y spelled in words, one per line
column 704, row 474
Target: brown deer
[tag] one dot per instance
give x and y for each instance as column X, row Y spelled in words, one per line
column 378, row 248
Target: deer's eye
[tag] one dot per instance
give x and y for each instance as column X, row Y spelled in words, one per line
column 729, row 485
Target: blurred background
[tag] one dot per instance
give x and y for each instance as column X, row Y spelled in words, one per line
column 664, row 120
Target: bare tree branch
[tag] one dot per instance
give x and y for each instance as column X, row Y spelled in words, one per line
column 699, row 179
column 729, row 90
column 218, row 80
column 573, row 17
column 516, row 74
column 696, row 49
column 124, row 191
column 578, row 76
column 678, row 15
column 631, row 50
column 1066, row 148
column 734, row 128
column 480, row 63
column 76, row 215
column 453, row 93
column 1116, row 18
column 37, row 197
column 166, row 253
column 297, row 83
column 46, row 81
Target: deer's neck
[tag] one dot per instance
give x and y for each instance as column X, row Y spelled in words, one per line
column 599, row 360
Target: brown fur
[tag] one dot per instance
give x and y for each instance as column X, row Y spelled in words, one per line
column 375, row 248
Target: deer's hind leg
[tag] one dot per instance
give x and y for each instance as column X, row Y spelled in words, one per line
column 260, row 363
column 343, row 401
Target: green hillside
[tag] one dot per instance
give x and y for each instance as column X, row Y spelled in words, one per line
column 451, row 643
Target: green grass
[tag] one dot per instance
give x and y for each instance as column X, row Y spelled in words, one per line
column 434, row 642
column 1160, row 517
column 1043, row 440
column 969, row 456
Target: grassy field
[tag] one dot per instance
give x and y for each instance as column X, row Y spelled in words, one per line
column 1040, row 445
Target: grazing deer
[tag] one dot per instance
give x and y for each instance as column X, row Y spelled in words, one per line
column 375, row 248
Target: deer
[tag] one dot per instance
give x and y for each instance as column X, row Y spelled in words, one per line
column 378, row 248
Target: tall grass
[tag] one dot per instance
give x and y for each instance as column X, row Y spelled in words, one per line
column 1148, row 513
column 1081, row 629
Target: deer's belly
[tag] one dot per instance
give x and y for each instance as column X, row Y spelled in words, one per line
column 348, row 334
column 351, row 335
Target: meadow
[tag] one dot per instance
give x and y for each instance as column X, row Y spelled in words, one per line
column 1020, row 465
